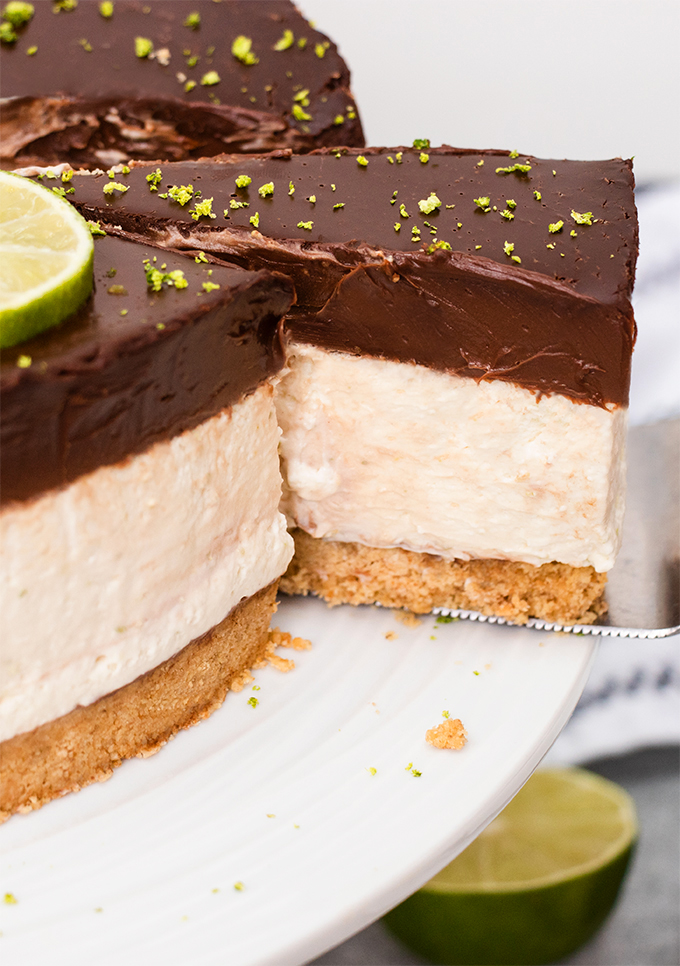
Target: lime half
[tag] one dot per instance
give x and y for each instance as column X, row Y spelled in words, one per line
column 535, row 885
column 46, row 254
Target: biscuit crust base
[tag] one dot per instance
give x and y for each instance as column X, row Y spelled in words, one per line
column 350, row 573
column 85, row 745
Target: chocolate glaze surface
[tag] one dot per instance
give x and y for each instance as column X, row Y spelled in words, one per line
column 85, row 96
column 104, row 385
column 529, row 292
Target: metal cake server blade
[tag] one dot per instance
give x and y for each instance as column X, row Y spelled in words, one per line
column 643, row 589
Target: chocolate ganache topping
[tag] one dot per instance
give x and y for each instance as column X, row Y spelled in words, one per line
column 97, row 83
column 164, row 343
column 481, row 263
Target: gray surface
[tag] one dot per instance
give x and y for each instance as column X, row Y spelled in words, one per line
column 644, row 929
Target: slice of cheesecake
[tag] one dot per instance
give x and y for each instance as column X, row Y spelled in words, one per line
column 454, row 409
column 98, row 83
column 141, row 535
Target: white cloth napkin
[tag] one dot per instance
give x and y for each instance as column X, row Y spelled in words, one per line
column 632, row 698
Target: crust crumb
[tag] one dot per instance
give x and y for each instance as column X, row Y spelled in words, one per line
column 240, row 681
column 391, row 636
column 281, row 663
column 448, row 734
column 281, row 638
column 407, row 618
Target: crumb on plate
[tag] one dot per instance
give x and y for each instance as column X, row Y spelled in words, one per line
column 449, row 734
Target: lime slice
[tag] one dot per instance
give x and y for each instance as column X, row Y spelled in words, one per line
column 535, row 885
column 46, row 256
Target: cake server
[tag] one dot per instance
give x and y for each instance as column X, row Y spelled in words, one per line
column 643, row 589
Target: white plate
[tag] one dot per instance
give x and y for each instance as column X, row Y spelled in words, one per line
column 142, row 868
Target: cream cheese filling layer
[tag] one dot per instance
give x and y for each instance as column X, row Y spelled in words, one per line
column 120, row 570
column 391, row 454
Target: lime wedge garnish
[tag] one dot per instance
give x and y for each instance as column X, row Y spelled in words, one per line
column 535, row 885
column 46, row 254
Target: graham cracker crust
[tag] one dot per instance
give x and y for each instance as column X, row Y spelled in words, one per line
column 86, row 745
column 350, row 573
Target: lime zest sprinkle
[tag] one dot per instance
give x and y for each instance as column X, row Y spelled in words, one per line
column 242, row 50
column 10, row 899
column 291, row 188
column 95, row 228
column 362, row 161
column 143, row 47
column 511, row 203
column 514, row 154
column 555, row 227
column 64, row 5
column 372, row 771
column 203, row 209
column 106, row 9
column 155, row 278
column 480, row 163
column 112, row 186
column 397, row 226
column 189, row 86
column 573, row 233
column 286, row 41
column 266, row 190
column 252, row 701
column 446, row 714
column 421, row 143
column 182, row 194
column 340, row 205
column 507, row 214
column 586, row 218
column 321, row 48
column 210, row 79
column 429, row 204
column 193, row 21
column 516, row 168
column 307, row 225
column 31, row 51
column 300, row 114
column 399, row 155
column 423, row 158
column 243, row 181
column 439, row 245
column 17, row 13
column 201, row 257
column 154, row 179
column 255, row 220
column 537, row 195
column 338, row 120
column 234, row 205
column 482, row 202
column 402, row 211
column 23, row 362
column 239, row 886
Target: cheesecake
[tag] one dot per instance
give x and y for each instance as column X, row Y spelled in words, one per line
column 140, row 516
column 102, row 82
column 458, row 361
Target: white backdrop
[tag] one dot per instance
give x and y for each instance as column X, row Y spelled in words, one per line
column 555, row 78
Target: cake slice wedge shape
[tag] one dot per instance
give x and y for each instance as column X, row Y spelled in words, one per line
column 454, row 408
column 142, row 540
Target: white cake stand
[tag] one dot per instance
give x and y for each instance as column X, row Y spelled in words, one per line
column 280, row 798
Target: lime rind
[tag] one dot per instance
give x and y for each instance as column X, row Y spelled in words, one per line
column 46, row 259
column 535, row 885
column 610, row 815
